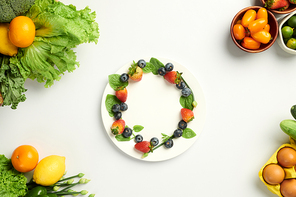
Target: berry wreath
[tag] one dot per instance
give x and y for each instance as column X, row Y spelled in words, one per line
column 116, row 105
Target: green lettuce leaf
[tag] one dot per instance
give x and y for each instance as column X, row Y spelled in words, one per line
column 11, row 82
column 12, row 182
column 59, row 28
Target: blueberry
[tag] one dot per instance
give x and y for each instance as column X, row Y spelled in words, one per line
column 178, row 133
column 127, row 132
column 124, row 77
column 141, row 63
column 117, row 115
column 169, row 67
column 161, row 71
column 138, row 138
column 180, row 85
column 186, row 92
column 123, row 107
column 116, row 108
column 169, row 143
column 154, row 141
column 182, row 124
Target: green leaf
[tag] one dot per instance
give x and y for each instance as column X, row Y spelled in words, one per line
column 120, row 138
column 59, row 28
column 109, row 102
column 186, row 102
column 116, row 83
column 11, row 82
column 13, row 183
column 145, row 155
column 138, row 128
column 188, row 133
column 148, row 68
column 157, row 64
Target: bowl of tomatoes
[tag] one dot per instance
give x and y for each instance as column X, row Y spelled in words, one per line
column 254, row 29
column 287, row 33
column 280, row 6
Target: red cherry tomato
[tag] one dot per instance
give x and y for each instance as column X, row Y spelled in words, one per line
column 248, row 17
column 238, row 31
column 250, row 43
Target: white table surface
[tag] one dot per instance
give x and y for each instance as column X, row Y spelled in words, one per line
column 247, row 96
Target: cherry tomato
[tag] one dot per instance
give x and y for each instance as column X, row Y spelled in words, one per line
column 262, row 36
column 250, row 43
column 248, row 17
column 257, row 25
column 239, row 22
column 238, row 31
column 266, row 28
column 24, row 158
column 262, row 13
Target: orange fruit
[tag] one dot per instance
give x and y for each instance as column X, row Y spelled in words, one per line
column 21, row 31
column 24, row 158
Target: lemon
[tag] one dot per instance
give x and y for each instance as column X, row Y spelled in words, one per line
column 49, row 170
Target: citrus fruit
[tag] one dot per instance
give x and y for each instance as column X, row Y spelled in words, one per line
column 49, row 170
column 287, row 31
column 21, row 31
column 24, row 158
column 292, row 21
column 291, row 43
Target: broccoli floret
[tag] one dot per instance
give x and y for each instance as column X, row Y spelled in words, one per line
column 10, row 9
column 6, row 12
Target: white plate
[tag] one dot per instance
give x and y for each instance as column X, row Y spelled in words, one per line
column 154, row 104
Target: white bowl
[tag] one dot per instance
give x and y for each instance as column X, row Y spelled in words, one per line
column 280, row 39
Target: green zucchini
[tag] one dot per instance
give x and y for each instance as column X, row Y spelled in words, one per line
column 293, row 111
column 289, row 127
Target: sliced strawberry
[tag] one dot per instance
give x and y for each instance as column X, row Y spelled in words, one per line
column 276, row 4
column 135, row 73
column 121, row 95
column 173, row 77
column 143, row 146
column 187, row 114
column 118, row 127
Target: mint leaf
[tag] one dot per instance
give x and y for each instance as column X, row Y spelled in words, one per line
column 148, row 68
column 138, row 128
column 186, row 102
column 109, row 102
column 116, row 83
column 188, row 133
column 120, row 138
column 157, row 64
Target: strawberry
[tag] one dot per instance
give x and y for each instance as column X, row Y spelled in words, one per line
column 135, row 73
column 143, row 146
column 276, row 4
column 173, row 77
column 121, row 94
column 118, row 127
column 187, row 114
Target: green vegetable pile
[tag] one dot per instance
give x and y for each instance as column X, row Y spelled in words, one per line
column 9, row 9
column 12, row 182
column 59, row 29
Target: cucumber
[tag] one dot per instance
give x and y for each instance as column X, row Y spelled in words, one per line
column 289, row 127
column 293, row 111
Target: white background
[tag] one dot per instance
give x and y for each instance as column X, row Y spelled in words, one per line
column 247, row 96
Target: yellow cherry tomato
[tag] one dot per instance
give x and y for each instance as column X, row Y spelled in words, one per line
column 262, row 36
column 262, row 13
column 250, row 43
column 248, row 17
column 257, row 25
column 266, row 28
column 238, row 31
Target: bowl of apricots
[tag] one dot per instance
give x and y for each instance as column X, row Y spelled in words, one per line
column 254, row 29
